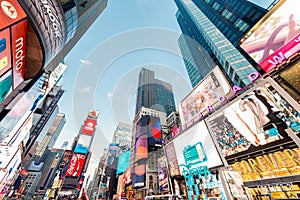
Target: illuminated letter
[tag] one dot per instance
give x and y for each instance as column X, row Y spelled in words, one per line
column 209, row 109
column 236, row 89
column 253, row 165
column 222, row 99
column 290, row 154
column 253, row 76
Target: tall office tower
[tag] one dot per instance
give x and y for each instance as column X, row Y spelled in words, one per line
column 122, row 135
column 153, row 93
column 211, row 32
column 51, row 136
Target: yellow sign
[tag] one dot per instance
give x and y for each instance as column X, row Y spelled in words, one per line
column 277, row 164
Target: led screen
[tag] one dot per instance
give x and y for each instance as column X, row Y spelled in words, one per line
column 155, row 135
column 277, row 36
column 172, row 160
column 84, row 141
column 162, row 174
column 190, row 154
column 10, row 13
column 76, row 165
column 66, row 158
column 141, row 148
column 123, row 162
column 5, row 51
column 208, row 92
column 81, row 149
column 89, row 127
column 138, row 177
column 5, row 85
column 113, row 148
column 258, row 117
column 142, row 127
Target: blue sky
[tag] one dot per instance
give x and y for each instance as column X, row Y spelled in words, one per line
column 103, row 67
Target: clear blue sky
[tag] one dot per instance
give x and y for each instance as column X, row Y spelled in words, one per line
column 103, row 67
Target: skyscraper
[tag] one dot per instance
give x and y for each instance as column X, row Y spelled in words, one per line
column 212, row 30
column 122, row 135
column 154, row 94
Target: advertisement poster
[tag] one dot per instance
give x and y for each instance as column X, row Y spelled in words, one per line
column 172, row 159
column 10, row 12
column 5, row 51
column 155, row 136
column 258, row 117
column 187, row 142
column 89, row 127
column 162, row 174
column 277, row 36
column 139, row 176
column 76, row 165
column 123, row 162
column 208, row 92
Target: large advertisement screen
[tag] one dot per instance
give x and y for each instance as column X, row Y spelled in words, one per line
column 172, row 160
column 155, row 135
column 123, row 162
column 66, row 159
column 83, row 144
column 142, row 126
column 162, row 174
column 258, row 117
column 139, row 175
column 277, row 36
column 195, row 148
column 208, row 92
column 10, row 13
column 141, row 148
column 89, row 127
column 76, row 165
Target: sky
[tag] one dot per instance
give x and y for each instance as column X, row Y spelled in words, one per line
column 103, row 67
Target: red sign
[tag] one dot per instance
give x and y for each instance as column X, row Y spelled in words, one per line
column 10, row 12
column 19, row 51
column 76, row 165
column 89, row 126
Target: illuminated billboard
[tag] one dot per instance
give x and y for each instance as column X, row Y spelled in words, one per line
column 155, row 135
column 276, row 37
column 84, row 141
column 261, row 115
column 141, row 148
column 162, row 174
column 209, row 92
column 192, row 155
column 172, row 160
column 5, row 84
column 66, row 159
column 277, row 164
column 142, row 126
column 123, row 162
column 89, row 127
column 139, row 176
column 76, row 165
column 93, row 114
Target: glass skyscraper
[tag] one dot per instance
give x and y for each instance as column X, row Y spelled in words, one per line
column 211, row 32
column 153, row 93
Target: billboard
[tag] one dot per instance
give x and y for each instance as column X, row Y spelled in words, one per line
column 93, row 114
column 76, row 165
column 172, row 159
column 276, row 36
column 141, row 148
column 162, row 174
column 18, row 33
column 192, row 155
column 10, row 13
column 155, row 134
column 139, row 175
column 261, row 115
column 142, row 126
column 84, row 141
column 209, row 92
column 276, row 164
column 123, row 162
column 65, row 159
column 81, row 149
column 89, row 127
column 5, row 51
column 113, row 148
column 5, row 83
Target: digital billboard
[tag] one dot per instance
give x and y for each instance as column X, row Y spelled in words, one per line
column 18, row 33
column 76, row 165
column 10, row 13
column 261, row 115
column 142, row 126
column 5, row 51
column 84, row 141
column 190, row 154
column 155, row 134
column 66, row 159
column 123, row 162
column 281, row 163
column 162, row 174
column 81, row 149
column 172, row 159
column 276, row 37
column 141, row 148
column 89, row 127
column 93, row 114
column 5, row 84
column 209, row 92
column 139, row 175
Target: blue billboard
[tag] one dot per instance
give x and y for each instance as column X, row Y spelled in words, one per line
column 123, row 162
